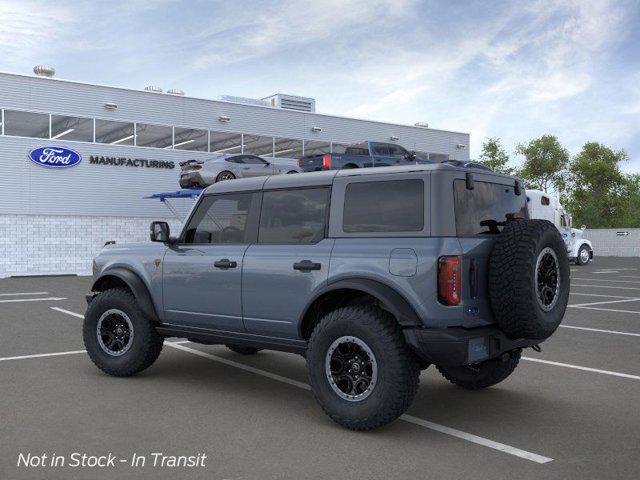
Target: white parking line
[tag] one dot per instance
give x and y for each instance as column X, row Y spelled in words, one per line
column 407, row 418
column 609, row 310
column 23, row 293
column 606, row 286
column 15, row 300
column 601, row 330
column 586, row 369
column 62, row 310
column 605, row 280
column 40, row 355
column 597, row 295
column 605, row 301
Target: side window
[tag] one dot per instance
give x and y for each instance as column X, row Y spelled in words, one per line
column 293, row 216
column 390, row 206
column 238, row 159
column 220, row 219
column 397, row 151
column 381, row 149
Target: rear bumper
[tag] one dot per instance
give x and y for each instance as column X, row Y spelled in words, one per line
column 191, row 179
column 460, row 346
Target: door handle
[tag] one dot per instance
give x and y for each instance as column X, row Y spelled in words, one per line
column 225, row 263
column 246, row 168
column 306, row 266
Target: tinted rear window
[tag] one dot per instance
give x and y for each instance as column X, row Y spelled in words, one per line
column 487, row 203
column 392, row 206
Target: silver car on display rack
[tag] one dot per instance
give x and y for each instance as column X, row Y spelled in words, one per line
column 202, row 173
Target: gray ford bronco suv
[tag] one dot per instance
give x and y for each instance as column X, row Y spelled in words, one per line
column 371, row 274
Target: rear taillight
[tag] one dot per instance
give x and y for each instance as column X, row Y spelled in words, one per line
column 326, row 161
column 197, row 167
column 449, row 280
column 298, row 162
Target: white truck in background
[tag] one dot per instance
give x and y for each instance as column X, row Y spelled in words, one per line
column 544, row 206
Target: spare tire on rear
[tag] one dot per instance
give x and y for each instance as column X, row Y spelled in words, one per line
column 529, row 279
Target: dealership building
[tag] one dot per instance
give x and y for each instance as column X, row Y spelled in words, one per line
column 127, row 144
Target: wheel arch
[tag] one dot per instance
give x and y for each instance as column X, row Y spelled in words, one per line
column 345, row 291
column 123, row 277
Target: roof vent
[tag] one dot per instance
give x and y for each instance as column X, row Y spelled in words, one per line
column 292, row 102
column 44, row 71
column 175, row 91
column 153, row 88
column 422, row 124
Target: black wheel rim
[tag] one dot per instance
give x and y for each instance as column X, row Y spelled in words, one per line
column 226, row 176
column 114, row 332
column 351, row 368
column 547, row 279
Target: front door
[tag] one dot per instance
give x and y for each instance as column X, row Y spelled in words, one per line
column 202, row 272
column 254, row 166
column 288, row 263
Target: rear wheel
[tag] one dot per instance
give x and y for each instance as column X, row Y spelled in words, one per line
column 119, row 338
column 226, row 175
column 361, row 371
column 291, row 172
column 241, row 349
column 484, row 374
column 584, row 255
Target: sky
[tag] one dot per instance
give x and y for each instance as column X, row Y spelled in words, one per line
column 514, row 70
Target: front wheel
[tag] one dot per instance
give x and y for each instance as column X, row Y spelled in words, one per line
column 584, row 255
column 361, row 371
column 484, row 374
column 119, row 338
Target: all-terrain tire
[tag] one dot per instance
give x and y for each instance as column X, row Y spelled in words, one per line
column 146, row 343
column 513, row 290
column 397, row 367
column 241, row 349
column 484, row 374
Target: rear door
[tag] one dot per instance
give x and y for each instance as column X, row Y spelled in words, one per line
column 202, row 272
column 289, row 261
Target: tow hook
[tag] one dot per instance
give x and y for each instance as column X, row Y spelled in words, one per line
column 536, row 348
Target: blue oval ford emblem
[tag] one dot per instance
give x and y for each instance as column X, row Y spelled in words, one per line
column 57, row 157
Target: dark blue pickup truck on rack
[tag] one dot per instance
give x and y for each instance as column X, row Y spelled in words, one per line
column 361, row 155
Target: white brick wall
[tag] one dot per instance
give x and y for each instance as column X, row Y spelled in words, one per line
column 608, row 243
column 52, row 245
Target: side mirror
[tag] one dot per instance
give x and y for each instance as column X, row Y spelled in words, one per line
column 159, row 232
column 267, row 165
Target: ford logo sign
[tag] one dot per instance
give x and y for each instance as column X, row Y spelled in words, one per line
column 56, row 157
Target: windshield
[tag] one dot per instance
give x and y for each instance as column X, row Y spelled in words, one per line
column 483, row 210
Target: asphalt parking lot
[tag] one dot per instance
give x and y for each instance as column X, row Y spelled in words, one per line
column 571, row 411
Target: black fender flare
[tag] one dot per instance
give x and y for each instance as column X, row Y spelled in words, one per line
column 135, row 284
column 394, row 302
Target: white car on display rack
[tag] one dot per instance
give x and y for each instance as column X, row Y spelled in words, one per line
column 544, row 206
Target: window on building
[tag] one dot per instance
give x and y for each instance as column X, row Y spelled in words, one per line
column 287, row 148
column 158, row 136
column 191, row 139
column 71, row 128
column 312, row 147
column 258, row 145
column 114, row 133
column 391, row 206
column 225, row 142
column 293, row 216
column 338, row 147
column 544, row 200
column 220, row 219
column 26, row 124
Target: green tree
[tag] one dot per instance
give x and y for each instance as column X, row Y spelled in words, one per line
column 495, row 157
column 599, row 193
column 545, row 163
column 631, row 216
